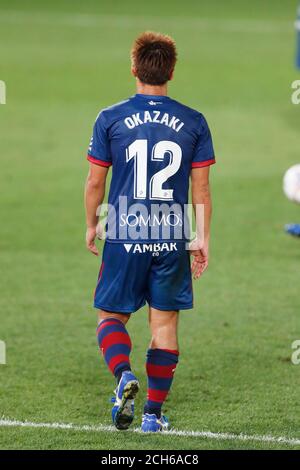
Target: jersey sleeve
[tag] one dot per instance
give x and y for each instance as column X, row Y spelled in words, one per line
column 204, row 151
column 99, row 149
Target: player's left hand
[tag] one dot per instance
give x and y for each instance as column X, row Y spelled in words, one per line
column 90, row 237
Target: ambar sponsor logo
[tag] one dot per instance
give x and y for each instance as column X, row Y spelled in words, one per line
column 150, row 247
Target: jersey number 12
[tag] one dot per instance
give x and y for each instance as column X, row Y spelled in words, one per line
column 138, row 150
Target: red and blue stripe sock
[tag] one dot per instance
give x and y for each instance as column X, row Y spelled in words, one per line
column 115, row 344
column 160, row 366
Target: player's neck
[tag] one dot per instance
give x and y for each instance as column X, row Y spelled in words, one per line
column 155, row 90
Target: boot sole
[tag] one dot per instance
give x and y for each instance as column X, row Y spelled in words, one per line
column 123, row 420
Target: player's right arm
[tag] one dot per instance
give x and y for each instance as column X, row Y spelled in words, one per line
column 100, row 160
column 94, row 195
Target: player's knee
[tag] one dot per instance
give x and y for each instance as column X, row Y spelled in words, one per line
column 160, row 319
column 104, row 315
column 164, row 331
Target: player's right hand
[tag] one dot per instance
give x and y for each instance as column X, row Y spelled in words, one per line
column 200, row 260
column 90, row 237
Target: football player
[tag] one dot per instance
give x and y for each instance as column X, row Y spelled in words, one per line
column 155, row 146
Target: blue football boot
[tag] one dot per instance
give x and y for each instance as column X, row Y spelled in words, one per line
column 151, row 423
column 293, row 229
column 123, row 410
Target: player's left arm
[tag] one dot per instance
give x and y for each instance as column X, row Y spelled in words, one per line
column 202, row 204
column 94, row 195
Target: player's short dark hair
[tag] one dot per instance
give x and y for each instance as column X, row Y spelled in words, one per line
column 153, row 57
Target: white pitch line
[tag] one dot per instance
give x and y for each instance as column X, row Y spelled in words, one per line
column 223, row 436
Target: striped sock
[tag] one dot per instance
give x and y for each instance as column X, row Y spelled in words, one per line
column 115, row 344
column 160, row 366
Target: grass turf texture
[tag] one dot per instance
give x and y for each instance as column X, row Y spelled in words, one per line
column 63, row 61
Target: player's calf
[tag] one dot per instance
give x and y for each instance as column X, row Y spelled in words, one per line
column 115, row 345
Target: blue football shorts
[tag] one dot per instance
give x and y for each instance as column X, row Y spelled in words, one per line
column 132, row 274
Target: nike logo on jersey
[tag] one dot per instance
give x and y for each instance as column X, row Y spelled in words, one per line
column 150, row 247
column 158, row 117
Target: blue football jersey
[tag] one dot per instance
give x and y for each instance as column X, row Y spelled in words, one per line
column 152, row 143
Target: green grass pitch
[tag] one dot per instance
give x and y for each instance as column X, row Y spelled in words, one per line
column 62, row 61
